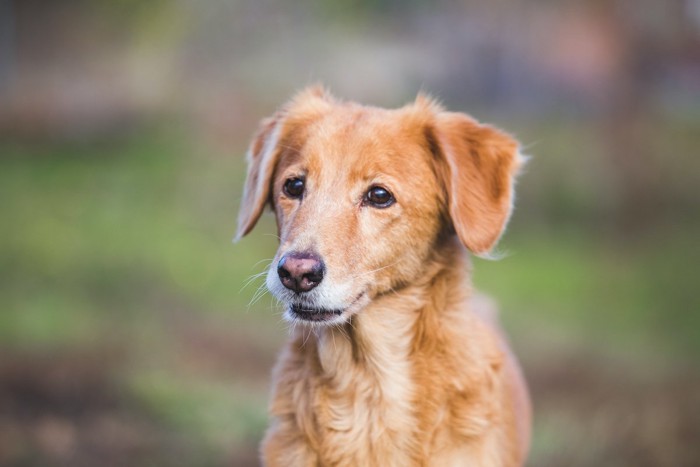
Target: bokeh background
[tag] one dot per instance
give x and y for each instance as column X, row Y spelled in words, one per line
column 130, row 329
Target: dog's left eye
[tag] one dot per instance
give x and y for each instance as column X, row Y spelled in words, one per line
column 294, row 187
column 379, row 197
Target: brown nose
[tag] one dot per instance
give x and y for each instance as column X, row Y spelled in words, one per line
column 300, row 272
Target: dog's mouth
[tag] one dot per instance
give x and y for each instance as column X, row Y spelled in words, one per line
column 315, row 315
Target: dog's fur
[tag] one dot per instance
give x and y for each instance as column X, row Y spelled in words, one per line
column 404, row 370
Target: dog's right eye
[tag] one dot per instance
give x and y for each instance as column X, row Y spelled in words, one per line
column 379, row 197
column 294, row 187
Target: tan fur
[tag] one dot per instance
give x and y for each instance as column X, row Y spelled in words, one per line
column 409, row 374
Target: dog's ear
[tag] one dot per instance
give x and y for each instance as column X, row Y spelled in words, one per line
column 481, row 163
column 261, row 158
column 264, row 151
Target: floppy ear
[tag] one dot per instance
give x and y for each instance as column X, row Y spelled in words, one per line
column 482, row 163
column 261, row 157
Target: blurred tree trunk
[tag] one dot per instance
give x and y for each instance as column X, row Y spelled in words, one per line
column 651, row 35
column 7, row 45
column 627, row 128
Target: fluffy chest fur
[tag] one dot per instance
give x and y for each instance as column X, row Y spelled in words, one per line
column 414, row 380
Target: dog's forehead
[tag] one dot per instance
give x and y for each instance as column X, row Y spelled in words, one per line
column 361, row 139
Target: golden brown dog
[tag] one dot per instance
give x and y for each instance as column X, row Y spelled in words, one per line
column 390, row 364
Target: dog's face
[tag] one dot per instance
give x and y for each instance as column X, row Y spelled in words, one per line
column 363, row 197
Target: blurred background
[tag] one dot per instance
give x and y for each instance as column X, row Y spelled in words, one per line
column 130, row 328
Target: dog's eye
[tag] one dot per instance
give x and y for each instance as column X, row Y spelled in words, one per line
column 379, row 197
column 294, row 187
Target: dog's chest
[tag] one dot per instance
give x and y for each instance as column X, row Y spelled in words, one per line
column 363, row 427
column 363, row 405
column 377, row 405
column 371, row 414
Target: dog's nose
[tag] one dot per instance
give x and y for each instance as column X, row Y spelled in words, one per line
column 300, row 272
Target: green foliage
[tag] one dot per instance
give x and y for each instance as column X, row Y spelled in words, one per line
column 618, row 296
column 215, row 413
column 108, row 229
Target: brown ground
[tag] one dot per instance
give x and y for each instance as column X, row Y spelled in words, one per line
column 69, row 410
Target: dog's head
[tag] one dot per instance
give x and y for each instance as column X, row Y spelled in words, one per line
column 363, row 196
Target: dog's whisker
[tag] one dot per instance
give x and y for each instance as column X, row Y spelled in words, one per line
column 343, row 332
column 351, row 325
column 260, row 293
column 251, row 279
column 335, row 348
column 257, row 295
column 306, row 338
column 262, row 288
column 264, row 260
column 357, row 276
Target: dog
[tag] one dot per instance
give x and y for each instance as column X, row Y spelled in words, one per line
column 390, row 361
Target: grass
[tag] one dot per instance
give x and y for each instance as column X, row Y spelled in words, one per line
column 99, row 230
column 217, row 413
column 621, row 298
